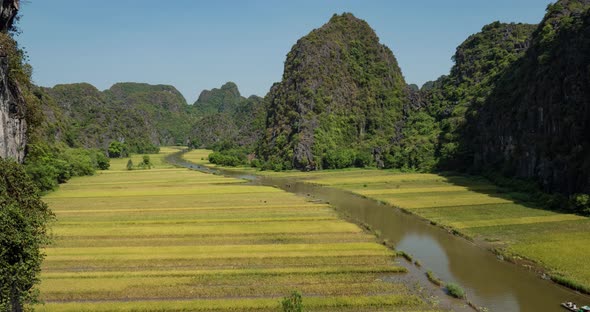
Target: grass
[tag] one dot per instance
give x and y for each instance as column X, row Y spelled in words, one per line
column 434, row 279
column 170, row 239
column 455, row 290
column 475, row 208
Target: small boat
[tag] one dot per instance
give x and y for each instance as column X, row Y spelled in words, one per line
column 570, row 306
column 574, row 308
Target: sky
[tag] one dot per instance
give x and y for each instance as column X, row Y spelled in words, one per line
column 196, row 45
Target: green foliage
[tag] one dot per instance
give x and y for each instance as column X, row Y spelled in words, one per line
column 534, row 123
column 23, row 232
column 338, row 159
column 224, row 99
column 416, row 150
column 225, row 159
column 117, row 150
column 434, row 279
column 455, row 290
column 581, row 203
column 292, row 303
column 479, row 62
column 239, row 123
column 130, row 164
column 102, row 161
column 140, row 115
column 146, row 162
column 229, row 153
column 342, row 94
column 50, row 165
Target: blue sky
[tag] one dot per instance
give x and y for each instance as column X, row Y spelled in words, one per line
column 196, row 45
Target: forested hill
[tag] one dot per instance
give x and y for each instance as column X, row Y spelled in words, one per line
column 220, row 100
column 224, row 118
column 339, row 102
column 536, row 122
column 141, row 116
column 479, row 62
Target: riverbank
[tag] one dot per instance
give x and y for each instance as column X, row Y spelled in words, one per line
column 552, row 243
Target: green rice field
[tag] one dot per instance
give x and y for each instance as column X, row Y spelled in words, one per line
column 170, row 239
column 475, row 208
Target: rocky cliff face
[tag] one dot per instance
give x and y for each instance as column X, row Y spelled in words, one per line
column 536, row 122
column 480, row 61
column 13, row 126
column 342, row 93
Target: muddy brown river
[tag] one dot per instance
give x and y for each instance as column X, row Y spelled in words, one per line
column 487, row 280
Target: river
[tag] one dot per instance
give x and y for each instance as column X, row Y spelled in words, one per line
column 487, row 280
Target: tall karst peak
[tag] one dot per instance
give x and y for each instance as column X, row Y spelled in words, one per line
column 342, row 92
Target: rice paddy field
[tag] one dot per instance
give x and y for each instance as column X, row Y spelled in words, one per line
column 170, row 239
column 475, row 208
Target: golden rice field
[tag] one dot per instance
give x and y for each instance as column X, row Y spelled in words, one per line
column 170, row 239
column 473, row 207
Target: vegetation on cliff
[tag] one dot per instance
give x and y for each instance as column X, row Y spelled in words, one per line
column 140, row 115
column 23, row 216
column 479, row 62
column 224, row 99
column 535, row 123
column 339, row 102
column 225, row 119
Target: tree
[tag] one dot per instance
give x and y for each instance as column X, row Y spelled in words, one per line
column 130, row 164
column 146, row 162
column 102, row 161
column 117, row 149
column 23, row 231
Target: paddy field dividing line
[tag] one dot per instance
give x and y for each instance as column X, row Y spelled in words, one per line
column 171, row 239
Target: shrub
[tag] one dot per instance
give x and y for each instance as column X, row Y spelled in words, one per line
column 102, row 161
column 581, row 203
column 455, row 290
column 219, row 158
column 49, row 166
column 338, row 159
column 130, row 164
column 292, row 303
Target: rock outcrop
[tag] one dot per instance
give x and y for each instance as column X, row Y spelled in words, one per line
column 13, row 125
